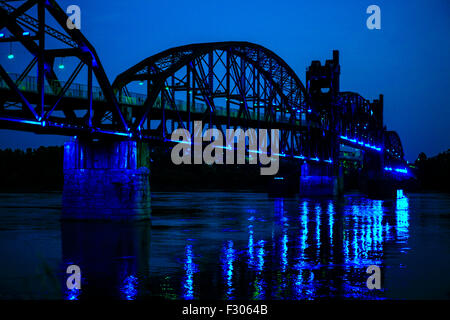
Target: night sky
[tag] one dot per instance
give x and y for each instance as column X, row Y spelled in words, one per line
column 407, row 60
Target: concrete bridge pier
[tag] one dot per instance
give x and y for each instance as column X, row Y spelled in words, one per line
column 106, row 180
column 320, row 180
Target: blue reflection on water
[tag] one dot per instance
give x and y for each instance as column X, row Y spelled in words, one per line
column 402, row 217
column 318, row 215
column 129, row 287
column 72, row 294
column 283, row 221
column 320, row 250
column 331, row 220
column 229, row 256
column 250, row 246
column 190, row 269
column 259, row 283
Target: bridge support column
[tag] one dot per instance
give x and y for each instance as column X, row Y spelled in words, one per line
column 106, row 180
column 320, row 180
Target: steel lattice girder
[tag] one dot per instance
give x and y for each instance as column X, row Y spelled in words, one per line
column 14, row 19
column 251, row 76
column 393, row 148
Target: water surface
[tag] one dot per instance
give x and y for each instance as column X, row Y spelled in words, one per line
column 221, row 245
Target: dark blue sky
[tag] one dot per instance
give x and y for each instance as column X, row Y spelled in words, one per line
column 407, row 60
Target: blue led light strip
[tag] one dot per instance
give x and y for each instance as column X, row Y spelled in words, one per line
column 361, row 143
column 257, row 151
column 399, row 170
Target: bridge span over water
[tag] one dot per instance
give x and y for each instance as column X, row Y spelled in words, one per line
column 223, row 84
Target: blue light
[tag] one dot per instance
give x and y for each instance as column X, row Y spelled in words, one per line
column 402, row 213
column 367, row 145
column 318, row 213
column 229, row 257
column 331, row 220
column 260, row 255
column 114, row 133
column 21, row 121
column 399, row 170
column 190, row 268
column 284, row 250
column 128, row 289
column 73, row 294
column 251, row 245
column 180, row 141
column 227, row 148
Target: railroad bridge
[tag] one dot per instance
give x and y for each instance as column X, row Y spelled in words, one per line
column 223, row 84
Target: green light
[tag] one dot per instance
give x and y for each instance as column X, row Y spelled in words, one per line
column 61, row 66
column 10, row 56
column 141, row 83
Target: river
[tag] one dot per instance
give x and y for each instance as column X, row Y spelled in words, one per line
column 222, row 245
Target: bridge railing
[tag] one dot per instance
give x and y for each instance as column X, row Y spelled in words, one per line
column 80, row 91
column 75, row 90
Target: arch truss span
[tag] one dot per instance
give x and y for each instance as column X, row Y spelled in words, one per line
column 394, row 154
column 225, row 85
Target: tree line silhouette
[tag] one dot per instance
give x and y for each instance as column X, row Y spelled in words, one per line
column 41, row 169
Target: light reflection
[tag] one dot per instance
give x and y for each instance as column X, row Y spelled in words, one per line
column 318, row 213
column 259, row 283
column 260, row 255
column 250, row 246
column 190, row 269
column 128, row 289
column 227, row 265
column 283, row 250
column 299, row 281
column 402, row 215
column 283, row 221
column 73, row 294
column 331, row 221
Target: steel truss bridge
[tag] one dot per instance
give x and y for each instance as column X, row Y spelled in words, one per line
column 223, row 84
